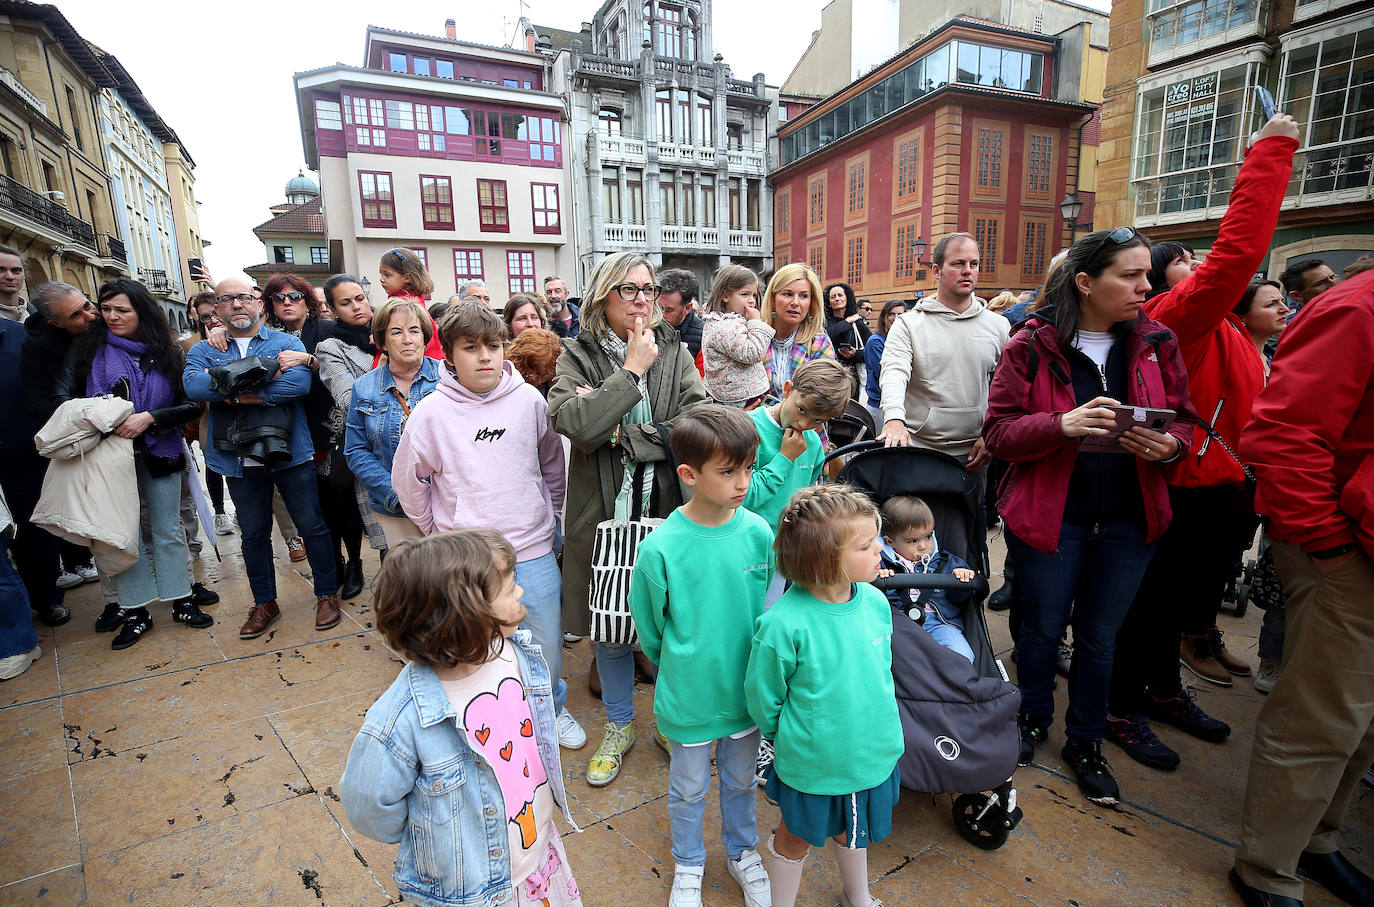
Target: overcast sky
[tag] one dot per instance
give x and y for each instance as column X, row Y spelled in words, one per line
column 220, row 75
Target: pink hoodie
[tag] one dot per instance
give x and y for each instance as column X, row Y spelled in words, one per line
column 495, row 462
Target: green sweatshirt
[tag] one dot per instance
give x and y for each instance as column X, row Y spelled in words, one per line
column 775, row 476
column 819, row 685
column 696, row 594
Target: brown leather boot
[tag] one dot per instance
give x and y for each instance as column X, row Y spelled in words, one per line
column 1231, row 663
column 1195, row 654
column 262, row 617
column 327, row 613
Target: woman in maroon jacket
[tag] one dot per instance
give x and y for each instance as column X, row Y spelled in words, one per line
column 1082, row 525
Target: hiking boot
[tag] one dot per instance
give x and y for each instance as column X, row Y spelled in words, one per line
column 1094, row 774
column 188, row 612
column 748, row 871
column 1133, row 735
column 1195, row 654
column 570, row 733
column 296, row 549
column 605, row 764
column 1182, row 712
column 202, row 596
column 111, row 619
column 135, row 625
column 1237, row 666
column 1033, row 733
column 686, row 886
column 1267, row 675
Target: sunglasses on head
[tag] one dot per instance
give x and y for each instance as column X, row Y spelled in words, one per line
column 293, row 296
column 1117, row 237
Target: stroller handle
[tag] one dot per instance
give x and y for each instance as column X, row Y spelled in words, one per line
column 978, row 585
column 856, row 447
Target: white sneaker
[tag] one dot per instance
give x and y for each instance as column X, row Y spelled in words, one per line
column 87, row 572
column 15, row 665
column 570, row 733
column 224, row 524
column 1267, row 675
column 687, row 886
column 68, row 580
column 1065, row 661
column 570, row 638
column 752, row 877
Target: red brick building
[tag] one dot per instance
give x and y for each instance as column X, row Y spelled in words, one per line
column 976, row 128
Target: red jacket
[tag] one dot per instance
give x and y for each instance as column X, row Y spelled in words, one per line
column 1225, row 371
column 1022, row 425
column 1312, row 437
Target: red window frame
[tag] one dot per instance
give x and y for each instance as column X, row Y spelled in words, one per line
column 493, row 206
column 464, row 261
column 520, row 270
column 383, row 201
column 436, row 207
column 541, row 210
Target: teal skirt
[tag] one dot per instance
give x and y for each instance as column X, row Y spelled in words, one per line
column 861, row 818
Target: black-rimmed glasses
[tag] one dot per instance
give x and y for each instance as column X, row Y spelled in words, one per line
column 241, row 298
column 628, row 291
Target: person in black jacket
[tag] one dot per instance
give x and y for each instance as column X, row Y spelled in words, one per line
column 133, row 353
column 848, row 331
column 679, row 303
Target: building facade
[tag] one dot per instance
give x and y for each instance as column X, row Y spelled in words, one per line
column 977, row 127
column 1181, row 105
column 56, row 204
column 668, row 151
column 295, row 240
column 453, row 149
column 181, row 183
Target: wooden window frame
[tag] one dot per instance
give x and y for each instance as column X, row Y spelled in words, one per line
column 502, row 209
column 904, row 201
column 905, row 232
column 855, row 266
column 987, row 263
column 522, row 282
column 438, row 207
column 999, row 191
column 1033, row 269
column 460, row 276
column 379, row 222
column 555, row 226
column 814, row 226
column 815, row 257
column 782, row 215
column 1037, row 196
column 857, row 186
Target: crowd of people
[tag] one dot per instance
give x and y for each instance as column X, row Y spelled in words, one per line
column 1129, row 422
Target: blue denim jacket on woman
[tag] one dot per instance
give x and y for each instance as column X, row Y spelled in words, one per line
column 373, row 429
column 412, row 777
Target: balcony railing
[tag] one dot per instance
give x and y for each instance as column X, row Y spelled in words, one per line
column 19, row 88
column 660, row 67
column 157, row 281
column 635, row 236
column 632, row 150
column 748, row 240
column 20, row 199
column 626, row 69
column 113, row 248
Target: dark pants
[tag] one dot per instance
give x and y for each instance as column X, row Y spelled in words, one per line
column 214, row 487
column 74, row 555
column 1181, row 591
column 339, row 505
column 1092, row 577
column 252, row 496
column 37, row 553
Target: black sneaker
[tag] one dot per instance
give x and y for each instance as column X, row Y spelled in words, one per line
column 203, row 597
column 135, row 625
column 1094, row 775
column 1133, row 735
column 188, row 612
column 1182, row 712
column 1033, row 733
column 111, row 619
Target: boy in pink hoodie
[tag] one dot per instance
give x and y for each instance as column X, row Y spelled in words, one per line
column 479, row 452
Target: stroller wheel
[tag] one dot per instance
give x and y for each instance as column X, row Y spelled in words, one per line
column 1242, row 599
column 987, row 833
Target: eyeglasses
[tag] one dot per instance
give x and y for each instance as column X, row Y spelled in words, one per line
column 282, row 297
column 208, row 319
column 628, row 291
column 241, row 298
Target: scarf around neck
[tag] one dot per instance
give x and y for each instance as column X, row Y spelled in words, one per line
column 119, row 359
column 640, row 414
column 356, row 335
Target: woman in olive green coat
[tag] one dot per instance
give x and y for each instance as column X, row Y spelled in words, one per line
column 620, row 384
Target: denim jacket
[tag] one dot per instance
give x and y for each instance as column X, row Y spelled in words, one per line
column 287, row 389
column 947, row 603
column 412, row 778
column 373, row 429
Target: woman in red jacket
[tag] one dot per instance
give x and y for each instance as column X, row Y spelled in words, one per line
column 1212, row 500
column 1082, row 525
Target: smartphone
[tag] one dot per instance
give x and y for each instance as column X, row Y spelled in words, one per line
column 1127, row 417
column 1266, row 102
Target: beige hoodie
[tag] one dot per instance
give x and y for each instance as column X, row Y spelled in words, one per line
column 936, row 369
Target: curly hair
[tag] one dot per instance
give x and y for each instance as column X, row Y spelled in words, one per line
column 535, row 355
column 286, row 283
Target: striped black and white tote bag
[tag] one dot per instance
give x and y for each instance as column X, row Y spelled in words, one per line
column 613, row 562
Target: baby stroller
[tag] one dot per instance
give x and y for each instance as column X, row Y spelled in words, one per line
column 959, row 720
column 855, row 424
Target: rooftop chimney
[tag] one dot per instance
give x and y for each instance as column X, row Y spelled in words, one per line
column 451, row 29
column 529, row 38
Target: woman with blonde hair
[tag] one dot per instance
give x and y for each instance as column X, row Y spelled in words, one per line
column 792, row 307
column 620, row 383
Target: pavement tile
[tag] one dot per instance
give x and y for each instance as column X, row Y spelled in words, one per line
column 65, row 887
column 88, row 662
column 40, row 680
column 40, row 836
column 318, row 736
column 32, row 736
column 324, row 669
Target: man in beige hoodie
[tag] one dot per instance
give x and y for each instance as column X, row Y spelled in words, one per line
column 938, row 362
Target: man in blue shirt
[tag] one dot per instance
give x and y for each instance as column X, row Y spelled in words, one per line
column 250, row 481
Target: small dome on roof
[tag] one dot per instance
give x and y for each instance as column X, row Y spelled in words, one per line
column 300, row 184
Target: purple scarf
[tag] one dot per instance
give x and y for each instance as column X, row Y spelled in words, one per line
column 118, row 358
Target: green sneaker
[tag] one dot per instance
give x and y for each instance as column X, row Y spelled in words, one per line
column 662, row 742
column 605, row 764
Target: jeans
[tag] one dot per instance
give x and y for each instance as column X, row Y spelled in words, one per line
column 252, row 497
column 543, row 601
column 160, row 573
column 17, row 634
column 36, row 552
column 1272, row 630
column 615, row 665
column 947, row 635
column 1094, row 576
column 689, row 774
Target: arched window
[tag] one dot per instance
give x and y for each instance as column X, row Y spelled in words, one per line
column 674, row 31
column 609, row 121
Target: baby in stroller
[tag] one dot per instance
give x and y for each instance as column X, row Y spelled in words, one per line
column 910, row 546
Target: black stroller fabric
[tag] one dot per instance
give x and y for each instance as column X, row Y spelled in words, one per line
column 959, row 719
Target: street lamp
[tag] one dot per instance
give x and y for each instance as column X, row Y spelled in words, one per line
column 1070, row 208
column 919, row 247
column 367, row 287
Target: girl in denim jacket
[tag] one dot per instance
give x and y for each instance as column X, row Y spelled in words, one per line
column 458, row 760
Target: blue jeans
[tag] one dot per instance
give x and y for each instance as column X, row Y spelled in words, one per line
column 948, row 635
column 159, row 574
column 689, row 774
column 1094, row 574
column 252, row 496
column 17, row 634
column 615, row 665
column 543, row 601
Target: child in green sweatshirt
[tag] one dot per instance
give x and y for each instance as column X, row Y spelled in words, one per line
column 697, row 590
column 819, row 684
